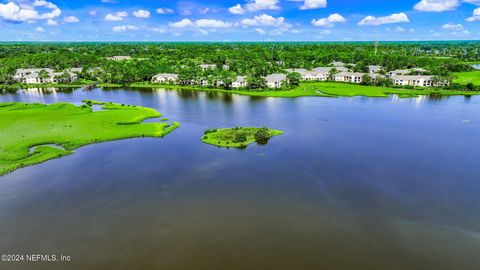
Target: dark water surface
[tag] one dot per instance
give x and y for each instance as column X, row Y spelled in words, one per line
column 355, row 183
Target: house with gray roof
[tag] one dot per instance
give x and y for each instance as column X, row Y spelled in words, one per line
column 165, row 78
column 276, row 80
column 240, row 82
column 43, row 75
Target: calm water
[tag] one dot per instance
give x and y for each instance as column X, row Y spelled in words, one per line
column 355, row 183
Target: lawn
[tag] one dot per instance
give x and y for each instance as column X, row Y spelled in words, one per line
column 29, row 129
column 239, row 137
column 320, row 89
column 467, row 77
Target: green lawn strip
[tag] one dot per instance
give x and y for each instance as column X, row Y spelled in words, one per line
column 320, row 89
column 467, row 77
column 26, row 125
column 238, row 137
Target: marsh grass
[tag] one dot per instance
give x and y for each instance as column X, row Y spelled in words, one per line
column 27, row 125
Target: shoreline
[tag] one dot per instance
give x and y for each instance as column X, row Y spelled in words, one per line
column 306, row 89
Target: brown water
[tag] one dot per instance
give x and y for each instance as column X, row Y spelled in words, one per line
column 354, row 183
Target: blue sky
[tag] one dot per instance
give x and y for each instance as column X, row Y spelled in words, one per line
column 239, row 20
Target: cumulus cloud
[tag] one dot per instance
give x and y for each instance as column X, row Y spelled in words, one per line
column 117, row 16
column 452, row 27
column 124, row 28
column 202, row 23
column 264, row 20
column 438, row 5
column 255, row 5
column 40, row 29
column 330, row 21
column 312, row 4
column 142, row 13
column 475, row 17
column 165, row 11
column 52, row 22
column 71, row 19
column 26, row 12
column 394, row 18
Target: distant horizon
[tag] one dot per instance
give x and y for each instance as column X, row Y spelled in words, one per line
column 239, row 20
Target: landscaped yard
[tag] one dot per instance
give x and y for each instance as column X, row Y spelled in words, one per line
column 467, row 77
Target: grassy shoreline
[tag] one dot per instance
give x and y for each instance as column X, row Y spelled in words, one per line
column 306, row 89
column 29, row 129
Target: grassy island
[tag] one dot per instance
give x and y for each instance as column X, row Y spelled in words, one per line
column 239, row 137
column 32, row 133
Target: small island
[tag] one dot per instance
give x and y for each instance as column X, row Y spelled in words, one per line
column 33, row 133
column 239, row 137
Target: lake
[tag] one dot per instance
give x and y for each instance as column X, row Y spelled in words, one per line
column 354, row 183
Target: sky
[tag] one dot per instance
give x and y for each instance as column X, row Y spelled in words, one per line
column 239, row 20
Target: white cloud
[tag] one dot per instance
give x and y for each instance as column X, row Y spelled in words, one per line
column 452, row 27
column 314, row 4
column 264, row 20
column 475, row 17
column 40, row 29
column 181, row 24
column 71, row 19
column 27, row 13
column 255, row 5
column 394, row 18
column 109, row 1
column 475, row 2
column 51, row 22
column 202, row 23
column 142, row 13
column 93, row 13
column 237, row 9
column 117, row 16
column 437, row 5
column 330, row 21
column 260, row 31
column 124, row 28
column 165, row 11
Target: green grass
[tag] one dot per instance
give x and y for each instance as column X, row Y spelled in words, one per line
column 467, row 77
column 321, row 89
column 27, row 125
column 238, row 137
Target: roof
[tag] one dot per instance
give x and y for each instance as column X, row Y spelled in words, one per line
column 276, row 77
column 241, row 79
column 356, row 74
column 412, row 77
column 167, row 75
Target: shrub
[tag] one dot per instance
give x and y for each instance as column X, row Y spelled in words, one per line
column 210, row 131
column 240, row 137
column 262, row 134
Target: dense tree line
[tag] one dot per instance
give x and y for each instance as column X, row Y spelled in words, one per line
column 253, row 60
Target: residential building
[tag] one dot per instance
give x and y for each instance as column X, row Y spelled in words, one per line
column 165, row 78
column 205, row 67
column 414, row 80
column 240, row 82
column 120, row 58
column 351, row 77
column 374, row 69
column 35, row 76
column 276, row 80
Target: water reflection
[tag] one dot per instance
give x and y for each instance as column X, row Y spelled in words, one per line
column 354, row 183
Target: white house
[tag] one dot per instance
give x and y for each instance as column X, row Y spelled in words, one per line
column 374, row 69
column 317, row 74
column 276, row 80
column 205, row 67
column 240, row 82
column 411, row 80
column 351, row 77
column 400, row 72
column 165, row 78
column 34, row 76
column 120, row 58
